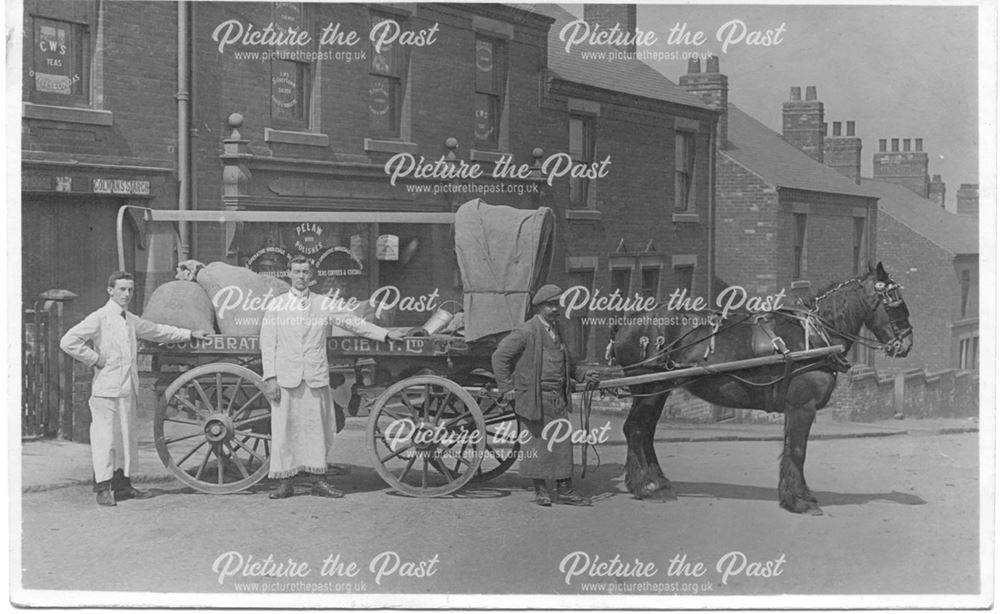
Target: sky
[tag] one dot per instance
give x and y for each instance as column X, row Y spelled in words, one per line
column 897, row 71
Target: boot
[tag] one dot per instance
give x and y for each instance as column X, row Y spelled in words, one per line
column 123, row 489
column 542, row 496
column 321, row 488
column 565, row 494
column 104, row 496
column 284, row 490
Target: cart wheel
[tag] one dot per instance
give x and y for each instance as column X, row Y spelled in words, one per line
column 502, row 445
column 213, row 429
column 426, row 436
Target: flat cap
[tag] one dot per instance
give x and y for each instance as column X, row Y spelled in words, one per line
column 548, row 292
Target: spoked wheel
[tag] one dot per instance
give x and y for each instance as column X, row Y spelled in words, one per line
column 502, row 430
column 213, row 429
column 426, row 436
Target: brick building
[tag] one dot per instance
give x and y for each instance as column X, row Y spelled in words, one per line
column 646, row 227
column 176, row 106
column 784, row 219
column 495, row 83
column 98, row 130
column 934, row 254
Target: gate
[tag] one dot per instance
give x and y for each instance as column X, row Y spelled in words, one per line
column 46, row 377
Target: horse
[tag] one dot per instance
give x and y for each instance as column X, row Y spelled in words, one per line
column 834, row 316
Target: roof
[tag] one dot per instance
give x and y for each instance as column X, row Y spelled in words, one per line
column 958, row 234
column 778, row 162
column 631, row 76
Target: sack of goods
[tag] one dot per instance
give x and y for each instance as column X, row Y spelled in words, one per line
column 238, row 295
column 181, row 303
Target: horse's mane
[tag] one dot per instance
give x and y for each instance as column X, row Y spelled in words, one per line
column 830, row 287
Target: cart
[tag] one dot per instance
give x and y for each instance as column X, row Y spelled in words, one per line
column 436, row 421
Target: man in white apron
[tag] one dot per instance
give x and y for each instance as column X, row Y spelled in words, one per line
column 106, row 340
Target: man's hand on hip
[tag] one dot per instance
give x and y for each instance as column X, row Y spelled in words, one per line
column 271, row 390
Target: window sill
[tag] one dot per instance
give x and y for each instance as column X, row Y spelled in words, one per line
column 801, row 284
column 385, row 146
column 295, row 137
column 73, row 115
column 494, row 157
column 583, row 215
column 686, row 218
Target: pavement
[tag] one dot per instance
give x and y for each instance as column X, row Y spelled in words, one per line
column 54, row 463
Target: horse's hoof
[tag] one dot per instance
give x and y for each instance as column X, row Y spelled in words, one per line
column 804, row 507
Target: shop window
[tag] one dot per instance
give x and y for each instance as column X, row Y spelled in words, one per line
column 291, row 74
column 59, row 53
column 490, row 83
column 385, row 85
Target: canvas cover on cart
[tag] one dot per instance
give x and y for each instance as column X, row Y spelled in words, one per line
column 504, row 255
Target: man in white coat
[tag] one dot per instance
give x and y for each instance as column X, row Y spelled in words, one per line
column 106, row 340
column 293, row 338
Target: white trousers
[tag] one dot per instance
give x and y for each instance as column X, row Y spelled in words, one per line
column 114, row 438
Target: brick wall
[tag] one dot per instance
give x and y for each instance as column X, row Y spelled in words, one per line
column 930, row 288
column 746, row 238
column 865, row 395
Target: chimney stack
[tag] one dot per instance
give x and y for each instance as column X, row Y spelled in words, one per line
column 606, row 16
column 802, row 122
column 906, row 168
column 843, row 153
column 936, row 190
column 712, row 87
column 967, row 199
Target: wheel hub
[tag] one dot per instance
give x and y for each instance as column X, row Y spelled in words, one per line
column 424, row 437
column 218, row 428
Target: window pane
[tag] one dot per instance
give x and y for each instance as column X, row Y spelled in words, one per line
column 58, row 58
column 576, row 138
column 487, row 70
column 651, row 282
column 620, row 280
column 288, row 16
column 288, row 91
column 487, row 120
column 386, row 60
column 685, row 278
column 382, row 105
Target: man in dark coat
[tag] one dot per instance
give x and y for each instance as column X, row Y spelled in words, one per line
column 534, row 369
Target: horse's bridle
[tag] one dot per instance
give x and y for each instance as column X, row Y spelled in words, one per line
column 889, row 298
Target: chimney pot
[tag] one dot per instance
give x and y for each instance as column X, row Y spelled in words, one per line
column 936, row 178
column 810, row 92
column 920, row 144
column 694, row 66
column 836, row 128
column 881, row 145
column 712, row 64
column 796, row 94
column 895, row 145
column 906, row 144
column 850, row 128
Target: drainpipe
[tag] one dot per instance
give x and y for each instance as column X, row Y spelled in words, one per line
column 183, row 127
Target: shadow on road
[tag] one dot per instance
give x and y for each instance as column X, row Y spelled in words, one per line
column 759, row 493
